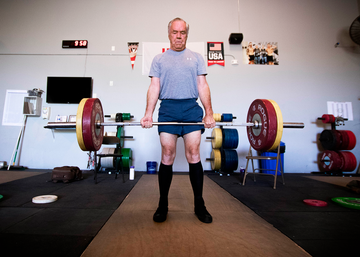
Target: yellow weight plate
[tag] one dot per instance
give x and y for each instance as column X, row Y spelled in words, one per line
column 279, row 125
column 79, row 130
column 216, row 142
column 216, row 159
column 217, row 117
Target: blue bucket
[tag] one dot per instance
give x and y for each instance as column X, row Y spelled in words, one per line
column 151, row 167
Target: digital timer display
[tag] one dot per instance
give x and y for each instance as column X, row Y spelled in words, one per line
column 74, row 44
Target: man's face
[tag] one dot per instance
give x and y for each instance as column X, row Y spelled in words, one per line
column 178, row 36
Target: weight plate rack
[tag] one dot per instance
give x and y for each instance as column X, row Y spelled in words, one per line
column 336, row 157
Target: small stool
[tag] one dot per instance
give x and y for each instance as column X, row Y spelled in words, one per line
column 277, row 158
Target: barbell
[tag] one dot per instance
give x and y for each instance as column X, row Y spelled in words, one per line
column 264, row 124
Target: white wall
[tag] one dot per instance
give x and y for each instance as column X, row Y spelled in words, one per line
column 311, row 71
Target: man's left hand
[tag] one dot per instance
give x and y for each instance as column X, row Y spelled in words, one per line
column 209, row 121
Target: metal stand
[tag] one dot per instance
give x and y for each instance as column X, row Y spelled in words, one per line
column 118, row 162
column 277, row 158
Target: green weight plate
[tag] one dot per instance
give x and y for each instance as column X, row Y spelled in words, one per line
column 348, row 202
column 120, row 133
column 126, row 116
column 127, row 158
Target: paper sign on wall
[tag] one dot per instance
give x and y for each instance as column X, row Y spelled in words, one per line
column 340, row 109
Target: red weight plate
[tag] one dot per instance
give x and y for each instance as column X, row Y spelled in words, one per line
column 262, row 111
column 338, row 141
column 345, row 140
column 93, row 135
column 314, row 202
column 344, row 160
column 331, row 161
column 352, row 140
column 353, row 160
column 328, row 118
column 349, row 160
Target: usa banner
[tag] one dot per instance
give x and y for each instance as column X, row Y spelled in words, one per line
column 133, row 47
column 216, row 53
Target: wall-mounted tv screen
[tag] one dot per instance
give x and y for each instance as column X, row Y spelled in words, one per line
column 68, row 90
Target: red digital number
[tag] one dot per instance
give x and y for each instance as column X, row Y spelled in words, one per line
column 76, row 43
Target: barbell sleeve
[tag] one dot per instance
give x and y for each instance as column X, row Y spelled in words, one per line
column 299, row 125
column 56, row 125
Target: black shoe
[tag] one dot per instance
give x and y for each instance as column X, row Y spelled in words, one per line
column 160, row 214
column 203, row 215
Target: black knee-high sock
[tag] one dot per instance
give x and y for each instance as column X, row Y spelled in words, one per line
column 165, row 177
column 197, row 181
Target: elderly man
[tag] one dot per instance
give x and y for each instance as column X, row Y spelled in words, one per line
column 178, row 79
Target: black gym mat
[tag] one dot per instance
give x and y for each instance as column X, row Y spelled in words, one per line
column 61, row 228
column 321, row 231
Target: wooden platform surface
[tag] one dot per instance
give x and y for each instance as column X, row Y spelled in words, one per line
column 335, row 180
column 9, row 175
column 235, row 231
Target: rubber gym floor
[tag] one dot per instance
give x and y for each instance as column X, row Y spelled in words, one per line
column 69, row 226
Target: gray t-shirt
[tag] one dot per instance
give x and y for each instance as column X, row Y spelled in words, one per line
column 178, row 73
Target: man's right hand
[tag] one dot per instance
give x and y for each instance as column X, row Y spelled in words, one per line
column 146, row 122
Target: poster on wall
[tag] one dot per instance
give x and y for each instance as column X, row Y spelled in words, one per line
column 133, row 47
column 215, row 53
column 260, row 53
column 151, row 49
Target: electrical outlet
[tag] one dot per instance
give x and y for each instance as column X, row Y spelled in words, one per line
column 46, row 113
column 234, row 62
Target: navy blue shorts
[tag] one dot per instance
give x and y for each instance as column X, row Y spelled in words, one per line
column 180, row 110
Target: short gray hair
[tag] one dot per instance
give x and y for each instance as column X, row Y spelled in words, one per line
column 178, row 19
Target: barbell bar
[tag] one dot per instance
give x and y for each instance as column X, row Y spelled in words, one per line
column 54, row 125
column 264, row 124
